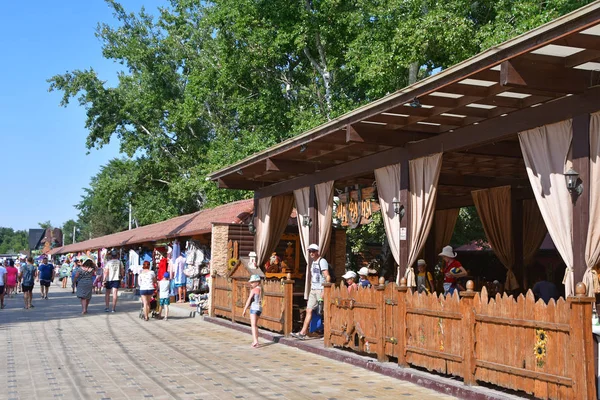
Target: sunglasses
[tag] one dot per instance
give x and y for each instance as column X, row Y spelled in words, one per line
column 312, row 251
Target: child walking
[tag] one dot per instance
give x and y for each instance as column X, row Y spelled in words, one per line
column 164, row 290
column 255, row 304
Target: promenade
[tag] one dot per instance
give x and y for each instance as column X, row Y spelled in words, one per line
column 52, row 352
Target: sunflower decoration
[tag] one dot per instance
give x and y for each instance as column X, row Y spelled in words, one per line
column 541, row 335
column 539, row 349
column 232, row 263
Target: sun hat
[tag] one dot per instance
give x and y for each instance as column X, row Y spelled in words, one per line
column 349, row 274
column 313, row 247
column 448, row 252
column 254, row 278
column 420, row 261
column 364, row 271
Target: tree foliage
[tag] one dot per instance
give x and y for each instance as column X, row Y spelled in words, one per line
column 207, row 83
column 12, row 241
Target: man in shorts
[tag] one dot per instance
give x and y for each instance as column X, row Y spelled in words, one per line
column 113, row 272
column 27, row 278
column 3, row 274
column 319, row 272
column 45, row 276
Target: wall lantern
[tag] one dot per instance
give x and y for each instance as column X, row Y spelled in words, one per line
column 415, row 103
column 398, row 208
column 574, row 185
column 306, row 221
column 251, row 227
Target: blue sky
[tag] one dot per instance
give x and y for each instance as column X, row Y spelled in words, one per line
column 45, row 164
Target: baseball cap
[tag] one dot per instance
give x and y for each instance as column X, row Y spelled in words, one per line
column 364, row 271
column 349, row 274
column 313, row 247
column 254, row 278
column 166, row 275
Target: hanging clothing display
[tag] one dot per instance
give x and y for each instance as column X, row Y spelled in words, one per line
column 176, row 250
column 134, row 262
column 162, row 268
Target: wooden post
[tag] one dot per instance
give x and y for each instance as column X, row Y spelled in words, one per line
column 288, row 300
column 211, row 308
column 404, row 222
column 468, row 340
column 401, row 323
column 313, row 214
column 517, row 235
column 581, row 203
column 582, row 344
column 233, row 298
column 327, row 314
column 381, row 356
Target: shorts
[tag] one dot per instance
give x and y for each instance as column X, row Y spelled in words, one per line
column 165, row 302
column 25, row 288
column 1, row 289
column 313, row 298
column 180, row 285
column 45, row 282
column 449, row 288
column 257, row 312
column 149, row 292
column 113, row 284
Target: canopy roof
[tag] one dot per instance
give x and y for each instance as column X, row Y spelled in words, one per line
column 183, row 226
column 472, row 112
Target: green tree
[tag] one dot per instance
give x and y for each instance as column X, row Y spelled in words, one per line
column 207, row 83
column 12, row 241
column 45, row 225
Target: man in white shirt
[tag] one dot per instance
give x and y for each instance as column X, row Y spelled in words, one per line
column 113, row 273
column 319, row 272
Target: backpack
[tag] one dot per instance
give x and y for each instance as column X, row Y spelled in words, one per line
column 332, row 277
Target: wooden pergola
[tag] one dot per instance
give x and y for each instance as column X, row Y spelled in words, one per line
column 471, row 112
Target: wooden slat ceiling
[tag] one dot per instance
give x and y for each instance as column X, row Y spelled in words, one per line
column 552, row 70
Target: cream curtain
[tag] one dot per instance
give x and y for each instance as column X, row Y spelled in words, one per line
column 534, row 230
column 302, row 197
column 388, row 187
column 444, row 222
column 424, row 174
column 592, row 246
column 324, row 192
column 545, row 151
column 273, row 216
column 495, row 212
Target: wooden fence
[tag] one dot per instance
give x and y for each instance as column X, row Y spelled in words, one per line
column 229, row 295
column 544, row 350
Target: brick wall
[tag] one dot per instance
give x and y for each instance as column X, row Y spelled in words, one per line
column 220, row 236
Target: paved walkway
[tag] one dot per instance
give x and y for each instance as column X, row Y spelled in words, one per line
column 52, row 351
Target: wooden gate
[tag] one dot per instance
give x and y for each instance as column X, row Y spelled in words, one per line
column 221, row 297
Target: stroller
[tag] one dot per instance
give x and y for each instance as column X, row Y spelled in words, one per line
column 154, row 311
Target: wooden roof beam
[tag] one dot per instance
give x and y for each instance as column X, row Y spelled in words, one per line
column 359, row 133
column 480, row 181
column 241, row 184
column 288, row 166
column 551, row 78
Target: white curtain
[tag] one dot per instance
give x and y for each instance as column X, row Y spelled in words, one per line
column 273, row 217
column 424, row 175
column 545, row 151
column 302, row 197
column 592, row 245
column 494, row 207
column 324, row 192
column 388, row 188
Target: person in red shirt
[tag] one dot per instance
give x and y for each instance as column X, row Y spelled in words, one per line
column 453, row 270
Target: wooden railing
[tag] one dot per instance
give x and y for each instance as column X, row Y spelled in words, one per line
column 229, row 295
column 520, row 344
